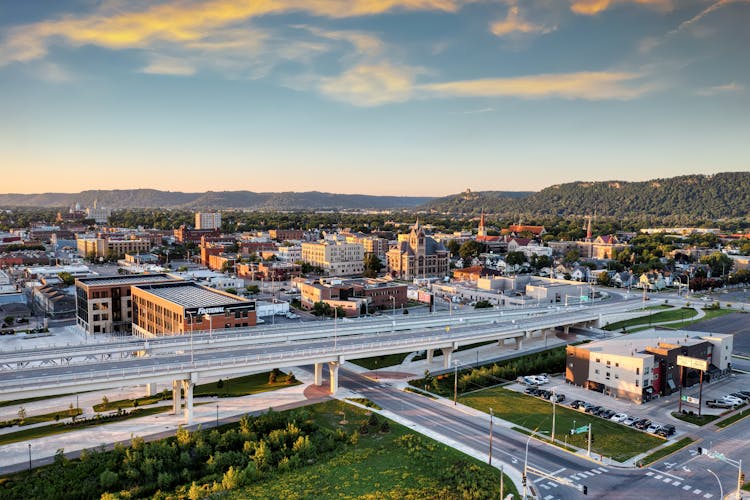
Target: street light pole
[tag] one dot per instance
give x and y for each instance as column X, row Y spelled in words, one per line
column 554, row 401
column 335, row 322
column 455, row 381
column 29, row 457
column 721, row 489
column 491, row 419
column 526, row 465
column 217, row 415
column 192, row 323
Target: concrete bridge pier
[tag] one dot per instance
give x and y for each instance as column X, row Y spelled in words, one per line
column 519, row 343
column 176, row 397
column 151, row 389
column 430, row 353
column 447, row 351
column 333, row 368
column 566, row 329
column 187, row 386
column 318, row 374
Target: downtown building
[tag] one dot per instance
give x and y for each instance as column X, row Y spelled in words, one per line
column 418, row 256
column 208, row 220
column 163, row 309
column 336, row 258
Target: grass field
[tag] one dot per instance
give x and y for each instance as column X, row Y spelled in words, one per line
column 60, row 428
column 610, row 439
column 233, row 387
column 666, row 451
column 659, row 317
column 46, row 417
column 398, row 464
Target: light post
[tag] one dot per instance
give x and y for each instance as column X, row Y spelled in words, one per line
column 526, row 465
column 490, row 456
column 455, row 381
column 191, row 335
column 217, row 415
column 29, row 457
column 335, row 321
column 554, row 401
column 721, row 489
column 393, row 314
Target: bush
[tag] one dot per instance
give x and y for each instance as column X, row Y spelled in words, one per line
column 220, row 384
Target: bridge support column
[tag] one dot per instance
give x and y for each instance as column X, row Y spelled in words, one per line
column 430, row 353
column 333, row 368
column 187, row 386
column 318, row 374
column 151, row 389
column 176, row 397
column 566, row 329
column 519, row 343
column 447, row 351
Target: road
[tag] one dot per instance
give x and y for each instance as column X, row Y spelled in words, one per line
column 602, row 481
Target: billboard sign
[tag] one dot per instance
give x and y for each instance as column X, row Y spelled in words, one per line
column 695, row 363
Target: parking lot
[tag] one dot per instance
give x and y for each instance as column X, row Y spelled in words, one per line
column 657, row 410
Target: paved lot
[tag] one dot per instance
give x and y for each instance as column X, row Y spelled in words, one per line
column 657, row 410
column 735, row 323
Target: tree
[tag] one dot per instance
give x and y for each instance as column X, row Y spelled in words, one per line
column 515, row 258
column 21, row 415
column 571, row 256
column 373, row 265
column 66, row 278
column 252, row 288
column 719, row 262
column 105, row 402
column 483, row 304
column 453, row 247
column 603, row 278
column 469, row 249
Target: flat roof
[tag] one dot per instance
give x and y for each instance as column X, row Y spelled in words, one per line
column 125, row 279
column 189, row 295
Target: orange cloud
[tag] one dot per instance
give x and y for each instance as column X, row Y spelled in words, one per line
column 593, row 7
column 371, row 84
column 184, row 22
column 583, row 85
column 514, row 24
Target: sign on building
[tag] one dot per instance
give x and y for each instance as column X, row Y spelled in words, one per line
column 695, row 363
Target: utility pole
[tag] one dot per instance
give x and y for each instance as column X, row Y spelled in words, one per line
column 739, row 480
column 588, row 451
column 491, row 419
column 501, row 481
column 455, row 381
column 554, row 404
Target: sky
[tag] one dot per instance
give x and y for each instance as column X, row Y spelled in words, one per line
column 390, row 97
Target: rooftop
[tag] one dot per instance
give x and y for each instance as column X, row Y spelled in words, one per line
column 132, row 279
column 189, row 294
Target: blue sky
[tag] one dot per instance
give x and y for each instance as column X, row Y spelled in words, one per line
column 407, row 97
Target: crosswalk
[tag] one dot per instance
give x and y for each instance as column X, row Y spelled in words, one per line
column 548, row 487
column 678, row 483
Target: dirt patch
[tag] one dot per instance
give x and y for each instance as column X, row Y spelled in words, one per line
column 313, row 391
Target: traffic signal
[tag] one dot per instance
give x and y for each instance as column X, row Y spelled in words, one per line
column 585, row 490
column 700, row 451
column 742, row 478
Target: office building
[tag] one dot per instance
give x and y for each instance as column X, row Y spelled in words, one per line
column 335, row 258
column 208, row 220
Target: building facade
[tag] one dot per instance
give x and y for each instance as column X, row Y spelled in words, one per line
column 104, row 304
column 336, row 258
column 207, row 220
column 418, row 256
column 108, row 248
column 163, row 309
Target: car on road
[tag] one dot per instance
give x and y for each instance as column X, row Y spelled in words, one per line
column 651, row 429
column 618, row 417
column 628, row 421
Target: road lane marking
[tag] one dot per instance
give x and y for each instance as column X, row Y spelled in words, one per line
column 557, row 471
column 667, row 480
column 549, row 497
column 544, row 486
column 687, row 487
column 596, row 471
column 707, row 495
column 676, row 483
column 554, row 485
column 649, row 473
column 603, row 469
column 697, row 491
column 658, row 476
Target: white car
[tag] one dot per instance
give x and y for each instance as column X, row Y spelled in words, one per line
column 619, row 417
column 653, row 428
column 629, row 421
column 733, row 400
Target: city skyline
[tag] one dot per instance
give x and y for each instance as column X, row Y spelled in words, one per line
column 413, row 97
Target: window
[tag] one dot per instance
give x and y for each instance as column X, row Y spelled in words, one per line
column 637, row 371
column 596, row 371
column 598, row 360
column 617, row 365
column 617, row 376
column 608, row 362
column 636, row 382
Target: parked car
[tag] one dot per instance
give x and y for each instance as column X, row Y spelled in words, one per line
column 585, row 407
column 607, row 414
column 557, row 398
column 731, row 399
column 719, row 403
column 618, row 417
column 666, row 430
column 741, row 396
column 593, row 409
column 745, row 393
column 642, row 424
column 628, row 421
column 651, row 429
column 576, row 403
column 529, row 390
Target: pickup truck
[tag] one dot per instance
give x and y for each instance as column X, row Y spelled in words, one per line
column 718, row 403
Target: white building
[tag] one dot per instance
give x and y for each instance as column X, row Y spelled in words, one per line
column 207, row 220
column 336, row 258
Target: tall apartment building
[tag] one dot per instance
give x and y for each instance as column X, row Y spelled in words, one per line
column 372, row 244
column 207, row 220
column 336, row 258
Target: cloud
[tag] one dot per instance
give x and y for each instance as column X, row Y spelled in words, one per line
column 590, row 86
column 593, row 7
column 164, row 65
column 182, row 22
column 513, row 24
column 728, row 88
column 371, row 84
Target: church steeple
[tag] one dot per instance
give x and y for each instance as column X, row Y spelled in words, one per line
column 481, row 231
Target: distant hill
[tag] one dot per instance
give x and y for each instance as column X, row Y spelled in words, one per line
column 152, row 198
column 709, row 196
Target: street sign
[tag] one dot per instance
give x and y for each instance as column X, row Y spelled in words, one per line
column 690, row 399
column 584, row 298
column 579, row 430
column 688, row 362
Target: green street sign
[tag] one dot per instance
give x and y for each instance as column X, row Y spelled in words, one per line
column 579, row 430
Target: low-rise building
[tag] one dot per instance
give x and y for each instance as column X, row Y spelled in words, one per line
column 418, row 256
column 162, row 309
column 336, row 258
column 108, row 248
column 355, row 296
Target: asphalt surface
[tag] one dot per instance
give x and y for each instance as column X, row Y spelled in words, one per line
column 603, row 481
column 735, row 323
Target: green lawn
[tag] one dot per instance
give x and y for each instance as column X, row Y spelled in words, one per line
column 233, row 387
column 60, row 428
column 394, row 465
column 46, row 417
column 649, row 319
column 666, row 451
column 610, row 439
column 376, row 362
column 695, row 419
column 734, row 418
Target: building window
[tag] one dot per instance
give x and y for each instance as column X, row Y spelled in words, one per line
column 598, row 360
column 608, row 362
column 617, row 376
column 617, row 365
column 636, row 382
column 596, row 371
column 637, row 371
